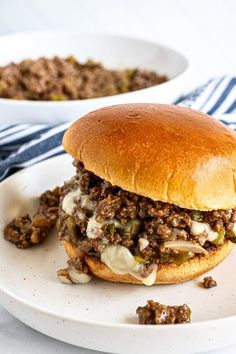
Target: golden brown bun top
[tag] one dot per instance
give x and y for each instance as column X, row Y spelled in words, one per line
column 163, row 152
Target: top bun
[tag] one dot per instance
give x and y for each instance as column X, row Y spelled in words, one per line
column 167, row 153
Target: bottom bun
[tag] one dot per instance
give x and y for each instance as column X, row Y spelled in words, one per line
column 168, row 273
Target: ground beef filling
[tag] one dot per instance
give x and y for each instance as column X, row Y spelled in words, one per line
column 107, row 215
column 156, row 313
column 59, row 79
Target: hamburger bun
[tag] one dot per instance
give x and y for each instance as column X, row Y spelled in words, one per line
column 167, row 153
column 168, row 273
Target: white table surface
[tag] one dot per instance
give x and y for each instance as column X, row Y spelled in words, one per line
column 203, row 29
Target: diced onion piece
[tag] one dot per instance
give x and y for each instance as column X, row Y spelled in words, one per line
column 143, row 243
column 187, row 246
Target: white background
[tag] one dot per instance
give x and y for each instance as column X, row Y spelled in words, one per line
column 205, row 30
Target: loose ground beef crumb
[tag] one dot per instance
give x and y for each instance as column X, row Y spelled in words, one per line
column 25, row 231
column 209, row 282
column 156, row 313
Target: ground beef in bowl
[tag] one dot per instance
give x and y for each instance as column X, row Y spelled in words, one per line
column 59, row 79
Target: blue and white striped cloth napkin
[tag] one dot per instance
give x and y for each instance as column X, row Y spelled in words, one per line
column 23, row 145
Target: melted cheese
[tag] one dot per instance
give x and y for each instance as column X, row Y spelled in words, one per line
column 94, row 228
column 86, row 202
column 81, row 215
column 77, row 277
column 121, row 261
column 198, row 228
column 70, row 199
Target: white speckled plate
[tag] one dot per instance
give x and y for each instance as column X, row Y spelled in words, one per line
column 101, row 315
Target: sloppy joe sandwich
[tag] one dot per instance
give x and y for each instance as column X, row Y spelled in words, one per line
column 153, row 198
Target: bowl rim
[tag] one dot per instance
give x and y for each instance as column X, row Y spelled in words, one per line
column 68, row 32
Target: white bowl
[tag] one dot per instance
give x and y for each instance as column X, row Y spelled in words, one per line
column 112, row 51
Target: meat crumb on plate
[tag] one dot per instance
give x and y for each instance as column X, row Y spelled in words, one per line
column 25, row 231
column 209, row 282
column 156, row 313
